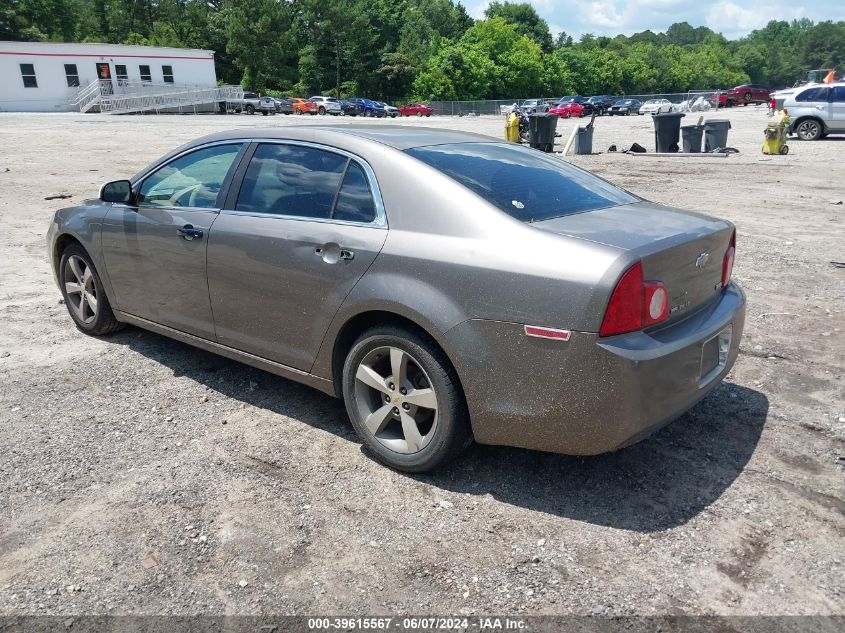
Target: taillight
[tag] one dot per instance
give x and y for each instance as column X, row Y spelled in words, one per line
column 634, row 304
column 728, row 261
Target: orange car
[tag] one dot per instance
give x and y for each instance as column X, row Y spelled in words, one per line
column 301, row 106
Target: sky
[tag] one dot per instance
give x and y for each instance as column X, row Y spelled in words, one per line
column 732, row 18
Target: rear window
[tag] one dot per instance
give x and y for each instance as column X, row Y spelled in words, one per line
column 524, row 183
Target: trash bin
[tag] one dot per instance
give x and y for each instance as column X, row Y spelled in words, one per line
column 541, row 130
column 667, row 131
column 716, row 134
column 691, row 138
column 584, row 140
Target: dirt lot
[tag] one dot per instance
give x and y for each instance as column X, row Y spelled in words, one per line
column 254, row 497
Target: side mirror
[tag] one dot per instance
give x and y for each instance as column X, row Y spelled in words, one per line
column 116, row 191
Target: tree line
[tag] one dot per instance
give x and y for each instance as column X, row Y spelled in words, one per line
column 429, row 49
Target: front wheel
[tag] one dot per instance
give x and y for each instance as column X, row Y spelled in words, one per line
column 83, row 293
column 809, row 130
column 404, row 399
column 321, row 111
column 419, row 114
column 250, row 109
column 568, row 115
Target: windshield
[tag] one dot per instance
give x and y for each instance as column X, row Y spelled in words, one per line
column 524, row 183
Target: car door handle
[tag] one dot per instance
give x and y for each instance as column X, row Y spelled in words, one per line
column 188, row 232
column 331, row 253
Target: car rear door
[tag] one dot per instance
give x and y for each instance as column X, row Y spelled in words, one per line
column 155, row 248
column 300, row 227
column 837, row 107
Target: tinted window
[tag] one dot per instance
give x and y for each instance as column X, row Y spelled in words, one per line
column 167, row 73
column 838, row 93
column 72, row 75
column 814, row 94
column 145, row 73
column 28, row 76
column 522, row 182
column 355, row 200
column 193, row 180
column 291, row 180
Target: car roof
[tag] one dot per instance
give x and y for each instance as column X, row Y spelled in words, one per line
column 400, row 137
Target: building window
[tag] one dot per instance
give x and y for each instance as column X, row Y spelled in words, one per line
column 146, row 75
column 72, row 75
column 28, row 75
column 122, row 75
column 167, row 72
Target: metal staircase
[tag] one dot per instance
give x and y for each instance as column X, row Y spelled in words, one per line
column 123, row 97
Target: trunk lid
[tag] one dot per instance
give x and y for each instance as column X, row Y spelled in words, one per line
column 683, row 249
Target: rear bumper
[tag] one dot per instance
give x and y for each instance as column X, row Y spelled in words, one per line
column 589, row 395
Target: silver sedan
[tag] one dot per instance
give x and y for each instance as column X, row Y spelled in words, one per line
column 448, row 286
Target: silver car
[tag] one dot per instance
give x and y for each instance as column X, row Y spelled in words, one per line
column 816, row 111
column 448, row 286
column 327, row 105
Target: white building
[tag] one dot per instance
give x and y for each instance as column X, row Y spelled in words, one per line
column 45, row 76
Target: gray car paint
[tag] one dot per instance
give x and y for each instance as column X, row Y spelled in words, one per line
column 470, row 276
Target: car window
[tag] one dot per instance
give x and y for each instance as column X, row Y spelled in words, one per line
column 291, row 180
column 355, row 200
column 814, row 94
column 522, row 182
column 838, row 94
column 193, row 180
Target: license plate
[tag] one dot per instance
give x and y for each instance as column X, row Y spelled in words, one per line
column 714, row 356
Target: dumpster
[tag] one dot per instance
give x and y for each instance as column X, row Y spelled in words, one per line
column 541, row 130
column 716, row 134
column 584, row 140
column 691, row 136
column 667, row 131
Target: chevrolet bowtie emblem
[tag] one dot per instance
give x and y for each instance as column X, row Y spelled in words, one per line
column 701, row 260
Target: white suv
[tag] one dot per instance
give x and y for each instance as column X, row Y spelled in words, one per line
column 330, row 105
column 816, row 111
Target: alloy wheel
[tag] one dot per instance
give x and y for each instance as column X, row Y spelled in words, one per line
column 80, row 289
column 809, row 130
column 396, row 400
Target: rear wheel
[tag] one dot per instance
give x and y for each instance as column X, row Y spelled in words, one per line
column 404, row 399
column 419, row 113
column 809, row 130
column 83, row 293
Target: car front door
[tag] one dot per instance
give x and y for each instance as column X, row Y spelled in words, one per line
column 303, row 226
column 155, row 248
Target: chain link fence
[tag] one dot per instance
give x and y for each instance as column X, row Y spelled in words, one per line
column 693, row 100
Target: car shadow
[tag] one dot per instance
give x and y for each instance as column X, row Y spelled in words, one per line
column 659, row 483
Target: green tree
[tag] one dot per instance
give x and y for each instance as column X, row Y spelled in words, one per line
column 525, row 18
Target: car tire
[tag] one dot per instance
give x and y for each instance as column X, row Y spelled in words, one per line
column 423, row 438
column 809, row 130
column 419, row 114
column 321, row 111
column 250, row 109
column 264, row 113
column 77, row 271
column 568, row 114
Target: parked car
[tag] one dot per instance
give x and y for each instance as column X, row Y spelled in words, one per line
column 568, row 109
column 748, row 93
column 601, row 104
column 325, row 234
column 816, row 111
column 415, row 109
column 656, row 106
column 250, row 103
column 326, row 105
column 625, row 107
column 368, row 108
column 284, row 106
column 530, row 106
column 587, row 107
column 347, row 108
column 389, row 110
column 301, row 106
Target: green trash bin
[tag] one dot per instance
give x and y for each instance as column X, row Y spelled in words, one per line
column 541, row 131
column 716, row 134
column 667, row 131
column 691, row 138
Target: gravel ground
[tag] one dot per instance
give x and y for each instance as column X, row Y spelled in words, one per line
column 142, row 476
